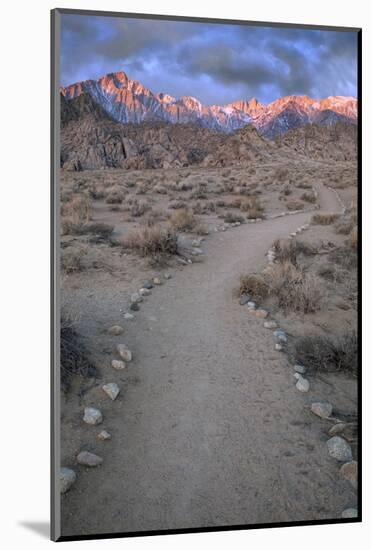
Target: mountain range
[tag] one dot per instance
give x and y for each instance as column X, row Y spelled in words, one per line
column 128, row 101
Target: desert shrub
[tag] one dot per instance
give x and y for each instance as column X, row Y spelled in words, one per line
column 254, row 285
column 115, row 196
column 198, row 194
column 183, row 220
column 104, row 230
column 286, row 250
column 308, row 197
column 294, row 205
column 328, row 353
column 73, row 355
column 345, row 256
column 201, row 229
column 328, row 271
column 230, row 217
column 281, row 173
column 303, row 185
column 324, row 218
column 286, row 190
column 97, row 193
column 305, row 248
column 160, row 189
column 152, row 241
column 220, row 203
column 294, row 290
column 71, row 259
column 138, row 208
column 344, row 227
column 76, row 211
column 154, row 215
column 177, row 205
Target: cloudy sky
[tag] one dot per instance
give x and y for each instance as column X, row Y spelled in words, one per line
column 215, row 63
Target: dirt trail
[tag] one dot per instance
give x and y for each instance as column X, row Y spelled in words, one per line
column 209, row 429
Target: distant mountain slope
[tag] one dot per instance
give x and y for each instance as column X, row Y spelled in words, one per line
column 90, row 139
column 128, row 101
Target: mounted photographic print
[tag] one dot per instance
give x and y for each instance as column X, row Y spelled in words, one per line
column 205, row 215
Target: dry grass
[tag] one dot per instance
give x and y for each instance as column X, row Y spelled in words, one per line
column 71, row 259
column 230, row 217
column 294, row 290
column 308, row 197
column 254, row 285
column 75, row 213
column 324, row 218
column 281, row 173
column 286, row 250
column 73, row 355
column 295, row 205
column 183, row 220
column 152, row 241
column 253, row 207
column 328, row 354
column 115, row 195
column 353, row 241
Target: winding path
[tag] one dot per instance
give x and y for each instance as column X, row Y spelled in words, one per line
column 210, row 430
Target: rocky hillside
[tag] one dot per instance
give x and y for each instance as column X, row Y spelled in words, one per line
column 128, row 101
column 91, row 140
column 335, row 142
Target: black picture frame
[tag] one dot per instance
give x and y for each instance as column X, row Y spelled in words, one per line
column 55, row 258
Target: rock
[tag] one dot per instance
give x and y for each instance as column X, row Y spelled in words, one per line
column 157, row 281
column 244, row 299
column 197, row 252
column 278, row 347
column 280, row 335
column 144, row 291
column 136, row 298
column 261, row 313
column 104, row 435
column 134, row 307
column 111, row 389
column 92, row 416
column 348, row 430
column 115, row 330
column 323, row 409
column 118, row 365
column 300, row 369
column 128, row 316
column 270, row 324
column 338, row 448
column 167, row 276
column 349, row 471
column 89, row 459
column 182, row 261
column 67, row 478
column 196, row 243
column 148, row 285
column 251, row 305
column 349, row 513
column 297, row 376
column 302, row 385
column 124, row 352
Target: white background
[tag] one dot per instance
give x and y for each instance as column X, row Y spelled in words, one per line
column 24, row 481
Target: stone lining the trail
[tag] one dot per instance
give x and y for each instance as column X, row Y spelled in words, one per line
column 86, row 458
column 339, row 449
column 92, row 416
column 67, row 478
column 111, row 389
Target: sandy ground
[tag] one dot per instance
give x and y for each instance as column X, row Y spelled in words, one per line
column 208, row 429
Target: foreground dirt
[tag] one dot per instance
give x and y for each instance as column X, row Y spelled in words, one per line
column 208, row 429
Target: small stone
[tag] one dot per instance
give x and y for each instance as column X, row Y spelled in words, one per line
column 244, row 299
column 270, row 324
column 115, row 330
column 261, row 313
column 348, row 430
column 196, row 243
column 338, row 448
column 197, row 252
column 349, row 471
column 297, row 376
column 111, row 389
column 104, row 435
column 300, row 369
column 128, row 316
column 302, row 385
column 323, row 409
column 144, row 291
column 157, row 281
column 278, row 347
column 136, row 298
column 280, row 335
column 92, row 416
column 134, row 307
column 124, row 352
column 118, row 365
column 349, row 513
column 148, row 285
column 67, row 478
column 89, row 459
column 167, row 276
column 251, row 305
